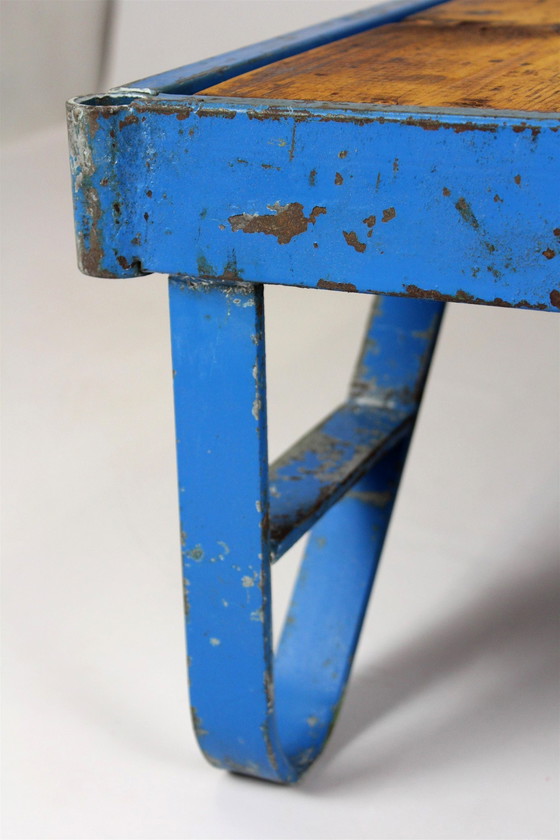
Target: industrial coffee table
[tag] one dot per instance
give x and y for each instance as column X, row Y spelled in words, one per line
column 410, row 151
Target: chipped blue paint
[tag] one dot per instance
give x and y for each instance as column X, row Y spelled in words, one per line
column 306, row 481
column 454, row 206
column 194, row 77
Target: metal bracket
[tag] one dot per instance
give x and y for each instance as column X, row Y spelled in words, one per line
column 254, row 713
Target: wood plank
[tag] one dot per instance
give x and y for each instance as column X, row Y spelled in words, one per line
column 500, row 55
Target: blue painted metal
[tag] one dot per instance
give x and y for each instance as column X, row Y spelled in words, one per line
column 315, row 472
column 455, row 207
column 229, row 194
column 195, row 77
column 226, row 521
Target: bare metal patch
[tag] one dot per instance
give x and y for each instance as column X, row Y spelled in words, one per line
column 287, row 221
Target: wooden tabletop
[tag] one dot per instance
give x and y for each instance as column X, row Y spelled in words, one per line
column 500, row 55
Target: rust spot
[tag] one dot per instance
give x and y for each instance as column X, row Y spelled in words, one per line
column 389, row 214
column 182, row 116
column 534, row 129
column 446, row 191
column 556, row 232
column 337, row 287
column 466, row 212
column 396, row 165
column 149, row 193
column 370, row 222
column 288, row 221
column 128, row 120
column 312, row 177
column 123, row 262
column 497, row 198
column 555, row 298
column 216, row 112
column 117, row 207
column 343, row 153
column 146, row 216
column 549, row 253
column 92, row 253
column 465, row 297
column 135, row 241
column 353, row 241
column 338, row 179
column 517, row 179
column 103, row 182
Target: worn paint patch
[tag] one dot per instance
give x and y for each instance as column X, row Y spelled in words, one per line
column 464, row 297
column 352, row 240
column 196, row 553
column 336, row 287
column 370, row 497
column 197, row 723
column 128, row 120
column 464, row 208
column 287, row 221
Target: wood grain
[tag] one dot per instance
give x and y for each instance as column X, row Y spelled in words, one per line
column 500, row 55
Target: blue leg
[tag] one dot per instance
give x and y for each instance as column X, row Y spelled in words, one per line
column 232, row 532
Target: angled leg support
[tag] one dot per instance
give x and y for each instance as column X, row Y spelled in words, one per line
column 253, row 713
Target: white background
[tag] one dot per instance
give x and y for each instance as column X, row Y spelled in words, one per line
column 450, row 726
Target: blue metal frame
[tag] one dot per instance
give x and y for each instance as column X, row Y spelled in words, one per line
column 228, row 194
column 455, row 208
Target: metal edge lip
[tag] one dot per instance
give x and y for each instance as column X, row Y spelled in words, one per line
column 147, row 102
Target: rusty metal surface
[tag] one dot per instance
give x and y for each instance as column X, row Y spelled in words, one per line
column 449, row 207
column 446, row 205
column 321, row 467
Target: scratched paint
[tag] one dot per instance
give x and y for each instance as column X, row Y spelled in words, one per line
column 246, row 721
column 295, row 222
